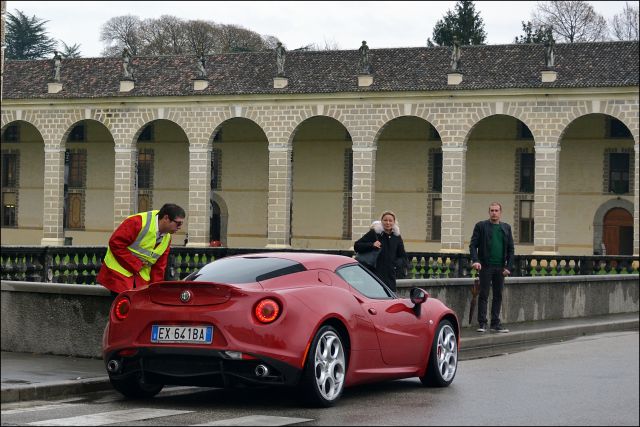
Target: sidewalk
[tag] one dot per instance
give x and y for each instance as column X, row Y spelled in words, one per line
column 27, row 376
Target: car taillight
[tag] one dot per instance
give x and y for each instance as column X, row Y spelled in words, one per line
column 121, row 310
column 267, row 310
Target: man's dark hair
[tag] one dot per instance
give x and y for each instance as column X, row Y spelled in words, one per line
column 174, row 211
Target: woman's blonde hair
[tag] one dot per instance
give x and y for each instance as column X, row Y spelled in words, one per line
column 388, row 213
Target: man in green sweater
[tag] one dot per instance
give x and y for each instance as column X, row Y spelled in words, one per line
column 491, row 250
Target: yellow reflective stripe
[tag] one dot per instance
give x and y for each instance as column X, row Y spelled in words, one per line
column 135, row 246
column 111, row 262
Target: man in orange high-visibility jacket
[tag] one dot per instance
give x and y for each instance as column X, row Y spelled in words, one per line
column 139, row 248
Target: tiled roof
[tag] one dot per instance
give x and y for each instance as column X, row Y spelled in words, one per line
column 580, row 65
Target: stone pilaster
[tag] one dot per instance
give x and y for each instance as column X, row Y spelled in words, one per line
column 545, row 206
column 279, row 205
column 125, row 193
column 363, row 190
column 199, row 189
column 636, row 200
column 453, row 189
column 53, row 220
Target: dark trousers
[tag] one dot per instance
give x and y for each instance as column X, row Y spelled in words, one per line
column 490, row 277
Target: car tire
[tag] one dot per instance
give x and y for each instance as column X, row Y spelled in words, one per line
column 443, row 360
column 134, row 388
column 325, row 369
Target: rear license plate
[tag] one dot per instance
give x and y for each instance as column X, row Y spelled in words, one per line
column 182, row 334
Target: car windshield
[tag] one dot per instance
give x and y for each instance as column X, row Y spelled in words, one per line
column 245, row 270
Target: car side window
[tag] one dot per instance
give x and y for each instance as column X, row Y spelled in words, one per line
column 360, row 279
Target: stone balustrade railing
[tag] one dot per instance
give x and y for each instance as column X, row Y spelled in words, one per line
column 80, row 264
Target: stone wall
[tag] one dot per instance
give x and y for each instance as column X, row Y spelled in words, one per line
column 70, row 319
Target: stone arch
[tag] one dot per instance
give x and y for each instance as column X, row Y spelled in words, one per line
column 236, row 164
column 23, row 197
column 585, row 109
column 598, row 220
column 486, row 113
column 321, row 174
column 142, row 123
column 294, row 126
column 10, row 122
column 10, row 116
column 92, row 163
column 408, row 176
column 221, row 122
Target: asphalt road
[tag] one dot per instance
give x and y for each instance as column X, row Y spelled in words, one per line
column 592, row 380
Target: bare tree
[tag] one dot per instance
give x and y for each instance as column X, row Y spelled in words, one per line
column 234, row 38
column 624, row 25
column 572, row 21
column 170, row 35
column 201, row 37
column 163, row 36
column 270, row 42
column 120, row 32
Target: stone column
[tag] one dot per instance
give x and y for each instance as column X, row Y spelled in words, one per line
column 636, row 199
column 545, row 208
column 363, row 190
column 199, row 191
column 453, row 188
column 53, row 221
column 279, row 205
column 125, row 195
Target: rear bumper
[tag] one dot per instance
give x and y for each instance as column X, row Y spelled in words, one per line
column 200, row 367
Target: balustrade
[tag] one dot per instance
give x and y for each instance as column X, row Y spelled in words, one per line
column 80, row 264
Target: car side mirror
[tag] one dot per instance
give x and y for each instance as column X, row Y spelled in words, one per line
column 418, row 296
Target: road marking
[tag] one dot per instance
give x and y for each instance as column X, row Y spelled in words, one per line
column 37, row 408
column 111, row 417
column 256, row 420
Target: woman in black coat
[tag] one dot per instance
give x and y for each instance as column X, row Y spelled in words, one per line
column 384, row 236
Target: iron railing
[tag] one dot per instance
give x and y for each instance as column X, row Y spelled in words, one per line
column 80, row 264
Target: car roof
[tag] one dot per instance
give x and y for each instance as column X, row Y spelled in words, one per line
column 311, row 260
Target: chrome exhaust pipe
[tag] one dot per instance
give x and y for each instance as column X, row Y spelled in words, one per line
column 261, row 371
column 113, row 366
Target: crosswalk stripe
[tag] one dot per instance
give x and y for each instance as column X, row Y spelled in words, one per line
column 256, row 420
column 37, row 408
column 111, row 417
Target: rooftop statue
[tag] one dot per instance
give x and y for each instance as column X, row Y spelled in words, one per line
column 549, row 55
column 57, row 65
column 455, row 55
column 202, row 72
column 365, row 66
column 126, row 64
column 281, row 53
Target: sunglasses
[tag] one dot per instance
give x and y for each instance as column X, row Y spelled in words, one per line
column 179, row 223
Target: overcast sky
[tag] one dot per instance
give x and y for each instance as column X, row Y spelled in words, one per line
column 295, row 23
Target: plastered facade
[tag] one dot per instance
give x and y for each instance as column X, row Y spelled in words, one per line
column 270, row 200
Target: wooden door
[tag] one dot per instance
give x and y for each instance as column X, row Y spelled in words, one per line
column 617, row 233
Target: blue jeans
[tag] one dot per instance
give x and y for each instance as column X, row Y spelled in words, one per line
column 490, row 277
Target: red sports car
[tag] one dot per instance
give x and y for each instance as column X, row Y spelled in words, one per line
column 319, row 322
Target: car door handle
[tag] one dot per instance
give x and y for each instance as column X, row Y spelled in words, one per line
column 372, row 311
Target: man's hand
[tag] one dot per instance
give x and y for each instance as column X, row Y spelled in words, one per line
column 476, row 266
column 506, row 272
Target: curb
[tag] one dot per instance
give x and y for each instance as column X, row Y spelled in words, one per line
column 488, row 340
column 54, row 389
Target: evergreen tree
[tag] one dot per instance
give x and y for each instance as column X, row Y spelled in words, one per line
column 72, row 51
column 26, row 38
column 464, row 23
